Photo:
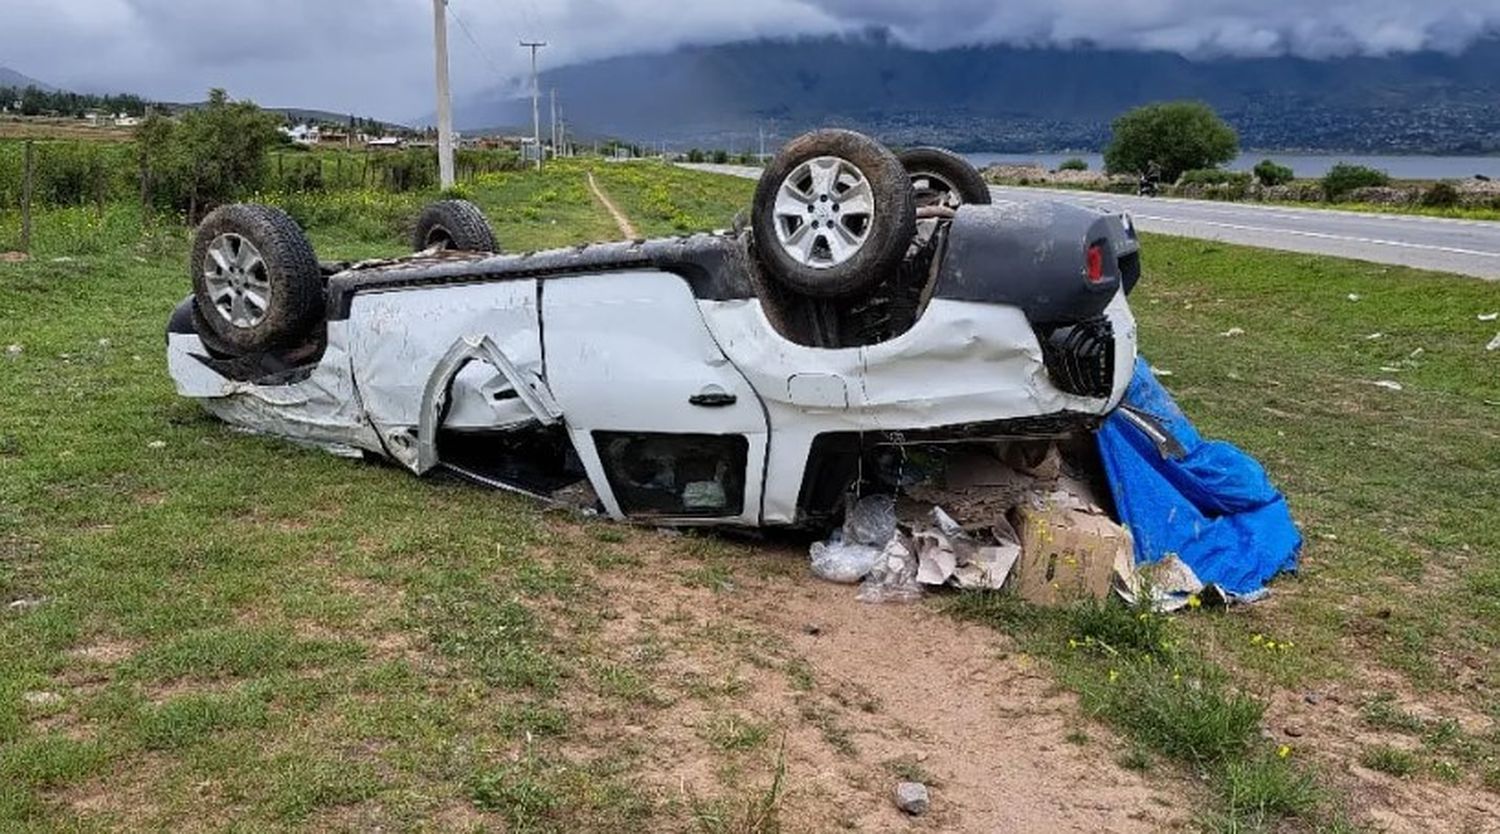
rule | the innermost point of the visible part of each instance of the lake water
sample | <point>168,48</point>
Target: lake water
<point>1305,165</point>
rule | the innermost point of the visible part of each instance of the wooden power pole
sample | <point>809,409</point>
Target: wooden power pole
<point>444,96</point>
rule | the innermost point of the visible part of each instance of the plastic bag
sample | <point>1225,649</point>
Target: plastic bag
<point>851,553</point>
<point>894,577</point>
<point>839,561</point>
<point>871,521</point>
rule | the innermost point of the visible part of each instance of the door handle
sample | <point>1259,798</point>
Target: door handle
<point>713,399</point>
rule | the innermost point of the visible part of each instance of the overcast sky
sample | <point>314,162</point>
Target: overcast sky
<point>375,56</point>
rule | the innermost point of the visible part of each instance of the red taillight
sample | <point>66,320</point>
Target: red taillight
<point>1096,264</point>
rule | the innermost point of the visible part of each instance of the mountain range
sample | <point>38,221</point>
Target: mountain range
<point>11,78</point>
<point>1005,98</point>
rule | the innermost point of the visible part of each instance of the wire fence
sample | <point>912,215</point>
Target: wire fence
<point>40,175</point>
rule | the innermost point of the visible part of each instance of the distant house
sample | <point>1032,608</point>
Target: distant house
<point>127,120</point>
<point>307,135</point>
<point>386,143</point>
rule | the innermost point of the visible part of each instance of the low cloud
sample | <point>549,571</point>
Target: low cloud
<point>375,56</point>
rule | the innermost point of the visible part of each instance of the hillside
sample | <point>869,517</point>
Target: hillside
<point>1018,99</point>
<point>12,78</point>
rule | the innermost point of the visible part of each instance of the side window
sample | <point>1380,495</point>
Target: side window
<point>675,475</point>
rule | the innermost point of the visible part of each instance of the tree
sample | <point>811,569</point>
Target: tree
<point>1178,136</point>
<point>1343,178</point>
<point>208,155</point>
<point>1074,164</point>
<point>1269,173</point>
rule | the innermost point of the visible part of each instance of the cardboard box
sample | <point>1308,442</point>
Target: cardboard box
<point>1068,552</point>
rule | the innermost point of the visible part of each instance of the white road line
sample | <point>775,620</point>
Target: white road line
<point>1275,231</point>
<point>1289,212</point>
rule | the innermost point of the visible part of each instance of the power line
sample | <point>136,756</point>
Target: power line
<point>468,33</point>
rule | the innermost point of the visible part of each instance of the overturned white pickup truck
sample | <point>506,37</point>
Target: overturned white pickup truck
<point>743,378</point>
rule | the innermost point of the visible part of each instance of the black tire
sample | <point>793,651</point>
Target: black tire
<point>454,224</point>
<point>888,229</point>
<point>287,270</point>
<point>942,177</point>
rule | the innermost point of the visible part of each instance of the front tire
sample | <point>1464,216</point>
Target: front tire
<point>454,225</point>
<point>256,281</point>
<point>833,214</point>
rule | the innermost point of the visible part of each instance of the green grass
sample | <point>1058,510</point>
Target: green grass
<point>313,637</point>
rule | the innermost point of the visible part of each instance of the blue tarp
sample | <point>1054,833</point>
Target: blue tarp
<point>1213,507</point>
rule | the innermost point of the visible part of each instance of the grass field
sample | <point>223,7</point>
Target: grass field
<point>207,631</point>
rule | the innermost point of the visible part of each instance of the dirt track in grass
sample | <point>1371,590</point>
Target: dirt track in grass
<point>863,695</point>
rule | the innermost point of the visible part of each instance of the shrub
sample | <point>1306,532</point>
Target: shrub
<point>1177,136</point>
<point>1343,178</point>
<point>1270,174</point>
<point>1074,164</point>
<point>1214,176</point>
<point>1440,195</point>
<point>720,157</point>
<point>209,155</point>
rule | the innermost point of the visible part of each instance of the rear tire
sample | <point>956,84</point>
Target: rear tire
<point>941,177</point>
<point>454,225</point>
<point>833,214</point>
<point>256,281</point>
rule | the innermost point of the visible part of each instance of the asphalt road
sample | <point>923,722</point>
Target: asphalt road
<point>1465,247</point>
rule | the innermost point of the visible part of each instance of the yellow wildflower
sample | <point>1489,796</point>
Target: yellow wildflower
<point>1283,751</point>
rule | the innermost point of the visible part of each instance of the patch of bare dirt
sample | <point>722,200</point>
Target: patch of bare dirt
<point>852,688</point>
<point>1330,729</point>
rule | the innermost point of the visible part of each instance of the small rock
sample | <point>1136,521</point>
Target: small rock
<point>25,604</point>
<point>157,444</point>
<point>1292,730</point>
<point>104,343</point>
<point>1354,296</point>
<point>14,350</point>
<point>41,699</point>
<point>812,629</point>
<point>1313,698</point>
<point>14,257</point>
<point>912,798</point>
<point>921,755</point>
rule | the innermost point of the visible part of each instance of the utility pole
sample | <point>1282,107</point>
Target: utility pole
<point>554,122</point>
<point>536,118</point>
<point>444,98</point>
<point>762,156</point>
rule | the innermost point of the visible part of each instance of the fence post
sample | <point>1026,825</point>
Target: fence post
<point>27,168</point>
<point>145,186</point>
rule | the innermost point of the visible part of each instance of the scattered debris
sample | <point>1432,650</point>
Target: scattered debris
<point>1354,296</point>
<point>912,798</point>
<point>1494,343</point>
<point>1389,384</point>
<point>852,552</point>
<point>14,257</point>
<point>105,344</point>
<point>1414,354</point>
<point>1313,698</point>
<point>1232,332</point>
<point>62,260</point>
<point>1160,371</point>
<point>1488,316</point>
<point>25,604</point>
<point>14,350</point>
<point>1373,336</point>
<point>157,444</point>
<point>41,699</point>
<point>1391,369</point>
<point>1070,550</point>
<point>894,577</point>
